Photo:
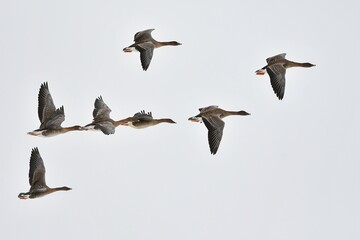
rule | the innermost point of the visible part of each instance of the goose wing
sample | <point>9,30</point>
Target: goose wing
<point>275,58</point>
<point>146,50</point>
<point>142,116</point>
<point>143,35</point>
<point>46,106</point>
<point>101,110</point>
<point>106,127</point>
<point>215,128</point>
<point>277,79</point>
<point>205,109</point>
<point>37,170</point>
<point>55,120</point>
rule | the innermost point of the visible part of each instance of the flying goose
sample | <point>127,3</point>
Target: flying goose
<point>38,187</point>
<point>276,68</point>
<point>50,117</point>
<point>143,120</point>
<point>145,44</point>
<point>212,116</point>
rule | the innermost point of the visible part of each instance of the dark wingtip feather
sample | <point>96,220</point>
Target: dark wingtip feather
<point>144,67</point>
<point>213,151</point>
<point>97,100</point>
<point>61,109</point>
<point>35,154</point>
<point>35,150</point>
<point>279,94</point>
<point>43,91</point>
<point>44,85</point>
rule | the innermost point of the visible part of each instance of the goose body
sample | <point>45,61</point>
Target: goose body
<point>143,120</point>
<point>276,68</point>
<point>212,117</point>
<point>145,44</point>
<point>38,187</point>
<point>50,117</point>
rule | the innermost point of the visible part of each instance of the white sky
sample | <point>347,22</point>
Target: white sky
<point>289,171</point>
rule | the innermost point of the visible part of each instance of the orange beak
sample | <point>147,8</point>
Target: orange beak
<point>127,50</point>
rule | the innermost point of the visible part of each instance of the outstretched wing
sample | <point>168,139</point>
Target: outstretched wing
<point>37,170</point>
<point>146,50</point>
<point>46,106</point>
<point>143,35</point>
<point>275,58</point>
<point>277,79</point>
<point>106,127</point>
<point>55,120</point>
<point>215,128</point>
<point>101,110</point>
<point>142,116</point>
<point>204,109</point>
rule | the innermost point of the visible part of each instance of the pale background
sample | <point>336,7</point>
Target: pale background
<point>289,171</point>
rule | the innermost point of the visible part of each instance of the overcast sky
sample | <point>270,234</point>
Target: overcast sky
<point>290,170</point>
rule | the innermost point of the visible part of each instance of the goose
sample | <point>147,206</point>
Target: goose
<point>145,44</point>
<point>38,187</point>
<point>102,121</point>
<point>50,117</point>
<point>276,68</point>
<point>143,120</point>
<point>211,116</point>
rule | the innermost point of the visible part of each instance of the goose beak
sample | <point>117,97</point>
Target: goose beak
<point>127,50</point>
<point>260,72</point>
<point>194,119</point>
<point>32,134</point>
<point>23,196</point>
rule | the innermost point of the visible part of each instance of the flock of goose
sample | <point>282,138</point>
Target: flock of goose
<point>51,117</point>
